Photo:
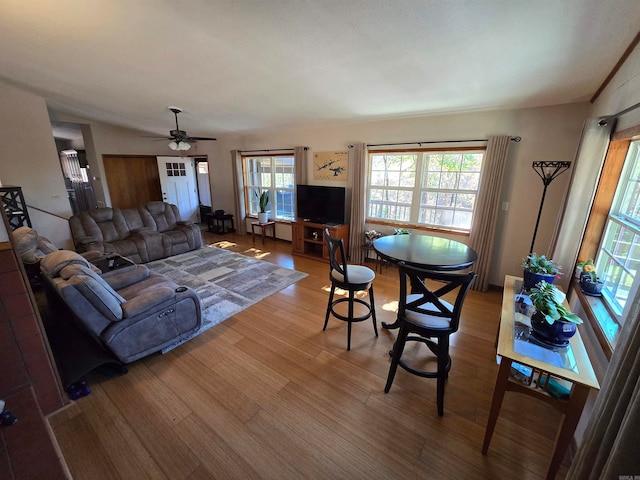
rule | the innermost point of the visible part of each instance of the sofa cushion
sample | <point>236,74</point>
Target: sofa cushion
<point>30,246</point>
<point>164,214</point>
<point>95,289</point>
<point>52,263</point>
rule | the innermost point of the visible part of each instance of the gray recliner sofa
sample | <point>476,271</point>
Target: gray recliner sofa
<point>149,232</point>
<point>132,311</point>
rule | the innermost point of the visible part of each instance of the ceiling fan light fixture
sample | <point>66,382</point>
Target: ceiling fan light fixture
<point>184,146</point>
<point>173,146</point>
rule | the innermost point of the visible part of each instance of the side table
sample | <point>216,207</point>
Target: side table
<point>217,222</point>
<point>570,363</point>
<point>263,228</point>
<point>111,261</point>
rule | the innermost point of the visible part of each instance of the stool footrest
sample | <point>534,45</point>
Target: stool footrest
<point>354,319</point>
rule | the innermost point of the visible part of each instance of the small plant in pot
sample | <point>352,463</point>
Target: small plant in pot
<point>263,201</point>
<point>538,268</point>
<point>590,284</point>
<point>552,323</point>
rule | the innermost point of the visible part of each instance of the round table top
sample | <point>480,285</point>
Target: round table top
<point>426,251</point>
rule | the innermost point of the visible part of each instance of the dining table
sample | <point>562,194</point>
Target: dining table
<point>424,251</point>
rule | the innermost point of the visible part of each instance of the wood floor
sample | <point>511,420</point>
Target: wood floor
<point>268,395</point>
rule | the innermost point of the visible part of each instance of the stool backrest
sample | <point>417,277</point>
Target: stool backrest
<point>337,258</point>
<point>429,301</point>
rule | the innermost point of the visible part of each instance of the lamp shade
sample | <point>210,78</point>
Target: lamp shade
<point>181,145</point>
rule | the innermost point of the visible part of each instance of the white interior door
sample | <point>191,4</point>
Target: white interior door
<point>178,182</point>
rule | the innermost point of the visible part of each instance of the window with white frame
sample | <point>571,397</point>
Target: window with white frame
<point>433,188</point>
<point>619,251</point>
<point>276,174</point>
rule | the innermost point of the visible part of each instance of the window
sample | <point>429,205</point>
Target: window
<point>434,188</point>
<point>619,251</point>
<point>276,174</point>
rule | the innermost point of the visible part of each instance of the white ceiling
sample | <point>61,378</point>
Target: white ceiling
<point>248,65</point>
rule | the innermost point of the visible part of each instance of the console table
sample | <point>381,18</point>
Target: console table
<point>569,363</point>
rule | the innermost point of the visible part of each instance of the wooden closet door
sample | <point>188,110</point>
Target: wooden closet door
<point>132,180</point>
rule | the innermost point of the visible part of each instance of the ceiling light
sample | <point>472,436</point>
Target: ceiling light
<point>179,145</point>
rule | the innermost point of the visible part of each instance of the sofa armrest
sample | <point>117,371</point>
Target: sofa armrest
<point>86,240</point>
<point>184,222</point>
<point>148,300</point>
<point>125,276</point>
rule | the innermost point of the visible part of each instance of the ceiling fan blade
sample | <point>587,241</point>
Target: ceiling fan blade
<point>178,135</point>
<point>202,138</point>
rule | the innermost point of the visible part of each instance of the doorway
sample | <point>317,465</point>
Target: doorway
<point>203,183</point>
<point>69,140</point>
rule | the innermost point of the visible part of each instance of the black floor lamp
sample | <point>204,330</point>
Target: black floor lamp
<point>547,171</point>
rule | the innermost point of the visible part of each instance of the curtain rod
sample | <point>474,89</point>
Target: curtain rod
<point>514,139</point>
<point>272,150</point>
<point>608,118</point>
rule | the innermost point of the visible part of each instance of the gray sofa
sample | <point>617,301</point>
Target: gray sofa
<point>132,311</point>
<point>149,232</point>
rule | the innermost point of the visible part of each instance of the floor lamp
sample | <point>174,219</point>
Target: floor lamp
<point>547,171</point>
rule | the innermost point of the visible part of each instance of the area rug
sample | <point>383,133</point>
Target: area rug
<point>226,282</point>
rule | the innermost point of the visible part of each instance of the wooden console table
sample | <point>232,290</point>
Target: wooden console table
<point>570,363</point>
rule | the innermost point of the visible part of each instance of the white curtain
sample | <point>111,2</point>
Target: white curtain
<point>301,162</point>
<point>487,208</point>
<point>585,174</point>
<point>358,156</point>
<point>609,448</point>
<point>238,191</point>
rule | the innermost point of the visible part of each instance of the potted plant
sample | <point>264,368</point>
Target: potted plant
<point>590,283</point>
<point>551,322</point>
<point>263,201</point>
<point>538,268</point>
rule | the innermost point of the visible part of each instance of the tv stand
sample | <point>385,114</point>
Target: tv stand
<point>308,238</point>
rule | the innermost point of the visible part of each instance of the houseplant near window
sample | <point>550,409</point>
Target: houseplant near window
<point>590,284</point>
<point>263,201</point>
<point>552,323</point>
<point>538,268</point>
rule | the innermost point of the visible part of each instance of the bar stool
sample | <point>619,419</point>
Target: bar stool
<point>353,278</point>
<point>425,314</point>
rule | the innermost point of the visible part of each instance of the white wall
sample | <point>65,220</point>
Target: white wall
<point>29,159</point>
<point>622,92</point>
<point>549,133</point>
<point>104,139</point>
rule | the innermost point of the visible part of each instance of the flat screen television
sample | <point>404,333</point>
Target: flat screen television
<point>321,204</point>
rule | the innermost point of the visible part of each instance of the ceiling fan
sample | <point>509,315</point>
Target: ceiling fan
<point>179,138</point>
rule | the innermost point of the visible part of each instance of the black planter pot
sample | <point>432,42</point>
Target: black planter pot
<point>556,334</point>
<point>590,287</point>
<point>530,279</point>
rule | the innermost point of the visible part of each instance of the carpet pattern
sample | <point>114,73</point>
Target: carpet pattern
<point>226,282</point>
